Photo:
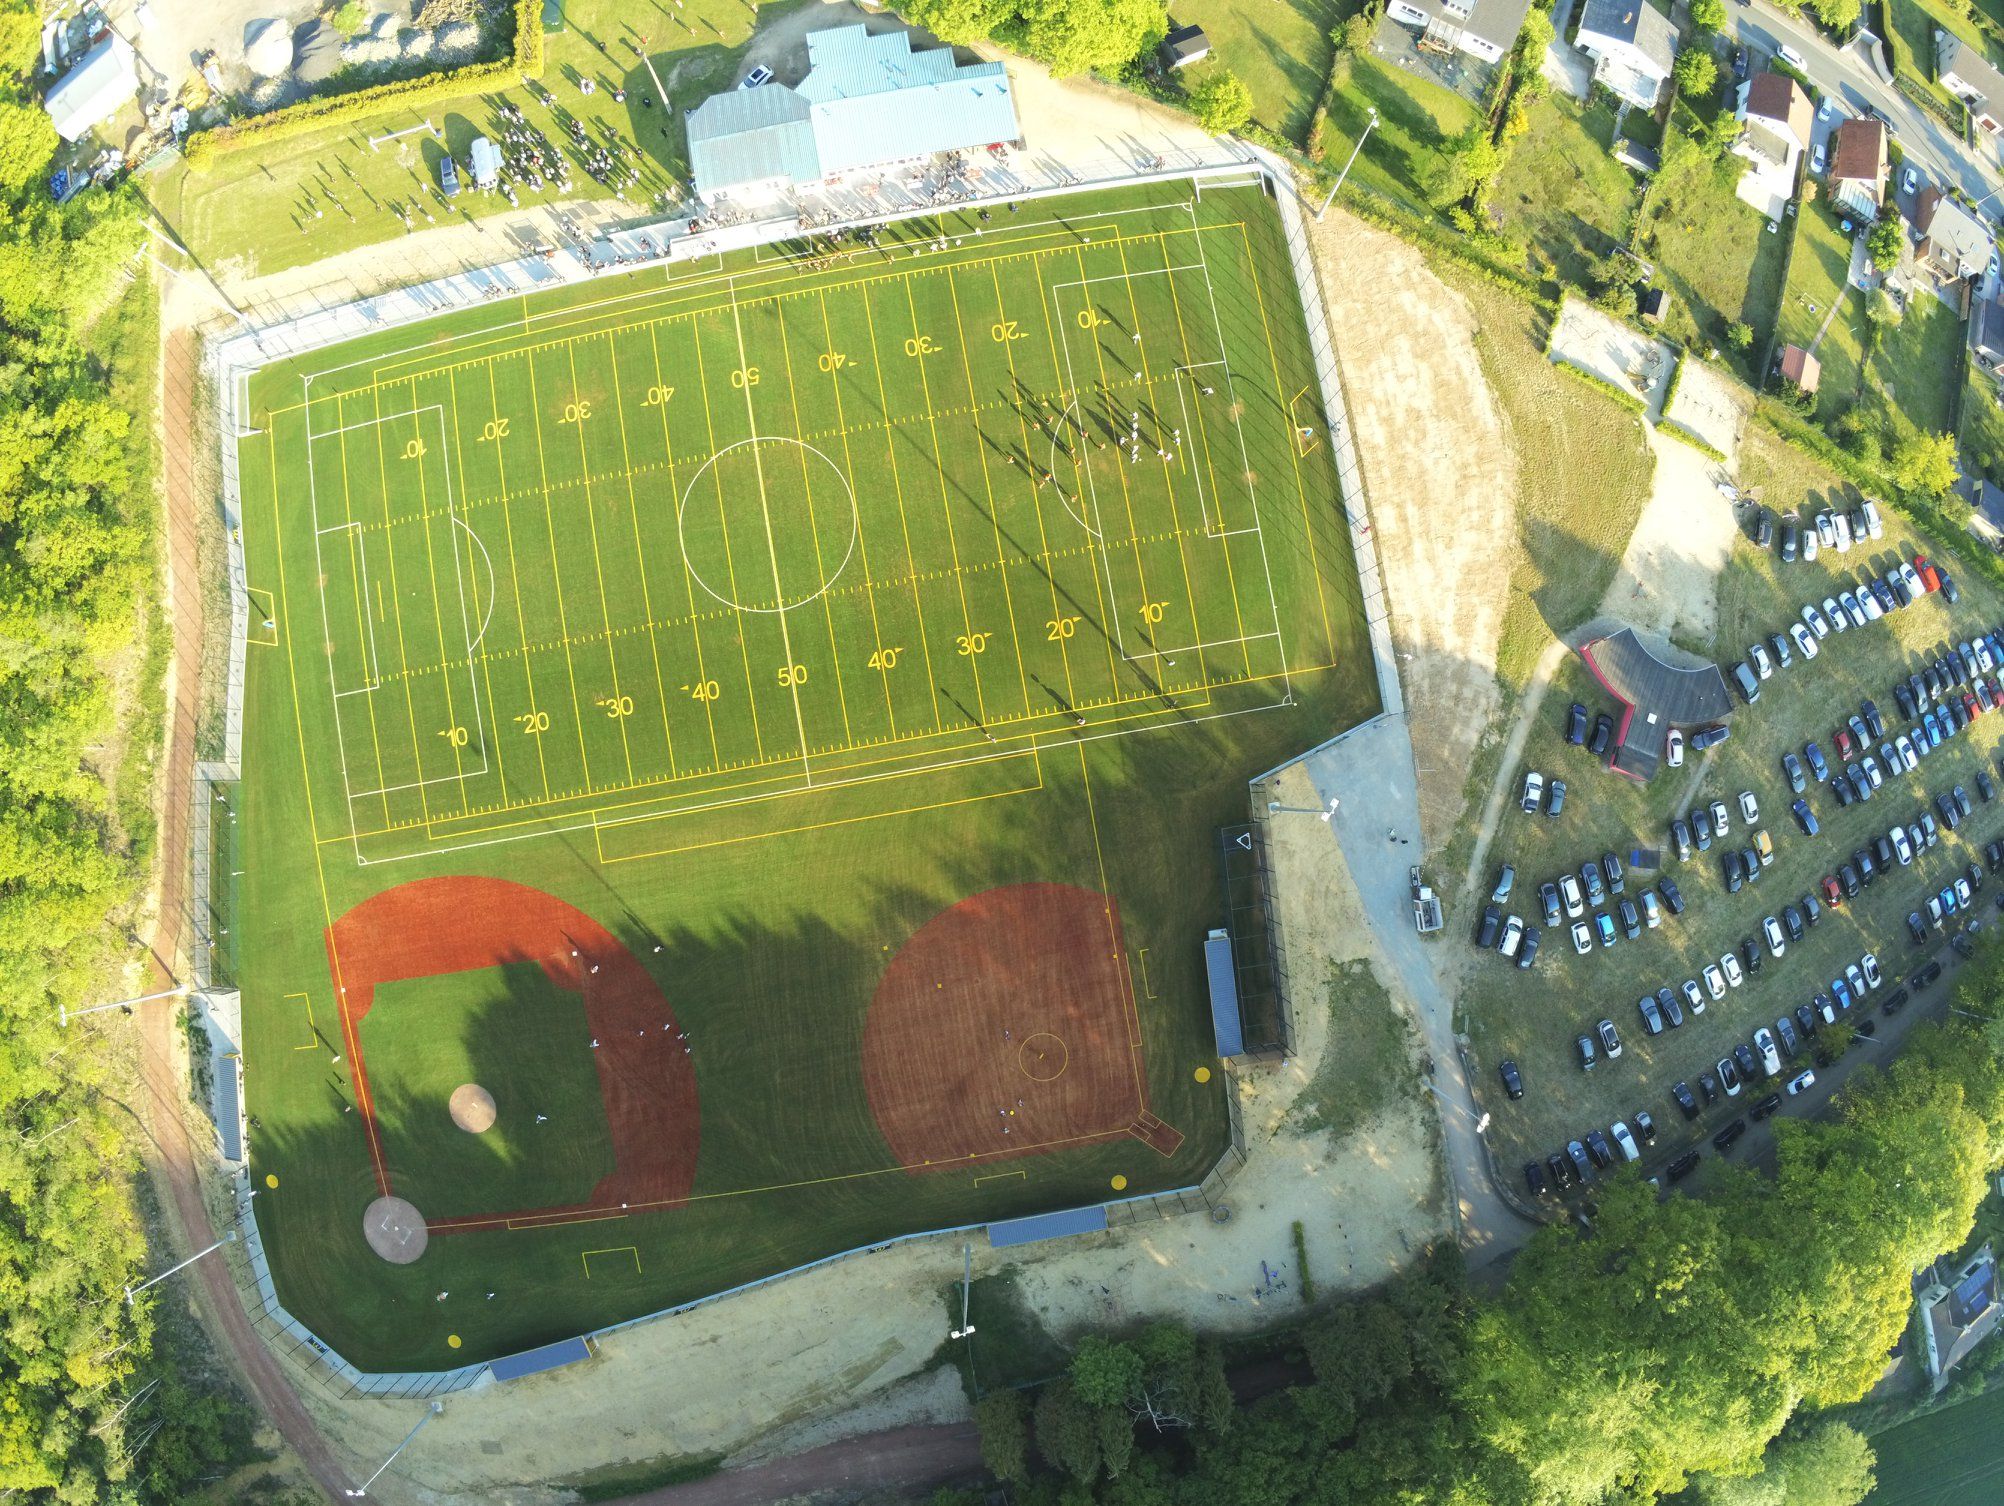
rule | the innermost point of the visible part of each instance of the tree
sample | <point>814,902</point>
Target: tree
<point>27,141</point>
<point>1697,73</point>
<point>1462,168</point>
<point>1839,15</point>
<point>1708,15</point>
<point>1739,335</point>
<point>1885,241</point>
<point>1068,1433</point>
<point>1105,1372</point>
<point>1005,1436</point>
<point>1924,464</point>
<point>1087,36</point>
<point>1535,37</point>
<point>958,21</point>
<point>1222,102</point>
<point>1828,1466</point>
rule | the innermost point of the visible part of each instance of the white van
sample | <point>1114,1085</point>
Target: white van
<point>1791,57</point>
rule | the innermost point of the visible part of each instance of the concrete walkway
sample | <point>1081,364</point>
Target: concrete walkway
<point>1371,773</point>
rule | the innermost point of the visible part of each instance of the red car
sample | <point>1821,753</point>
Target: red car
<point>1969,705</point>
<point>1832,891</point>
<point>1845,751</point>
<point>1928,576</point>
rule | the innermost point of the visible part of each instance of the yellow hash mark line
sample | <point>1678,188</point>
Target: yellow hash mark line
<point>617,712</point>
<point>814,529</point>
<point>312,1030</point>
<point>1003,1176</point>
<point>904,521</point>
<point>515,580</point>
<point>633,1250</point>
<point>688,584</point>
<point>640,554</point>
<point>556,574</point>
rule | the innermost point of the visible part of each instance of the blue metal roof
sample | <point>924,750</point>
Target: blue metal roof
<point>752,136</point>
<point>1023,1231</point>
<point>866,99</point>
<point>1225,1022</point>
<point>536,1361</point>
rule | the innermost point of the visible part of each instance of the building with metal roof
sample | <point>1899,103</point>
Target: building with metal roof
<point>92,92</point>
<point>867,101</point>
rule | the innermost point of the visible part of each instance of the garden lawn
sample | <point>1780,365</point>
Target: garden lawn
<point>1981,432</point>
<point>1946,1458</point>
<point>1818,282</point>
<point>1561,193</point>
<point>1279,48</point>
<point>1414,118</point>
<point>1918,365</point>
<point>1711,251</point>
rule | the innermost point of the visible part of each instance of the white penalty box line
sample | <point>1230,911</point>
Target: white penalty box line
<point>355,530</point>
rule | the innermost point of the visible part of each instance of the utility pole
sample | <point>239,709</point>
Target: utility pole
<point>1369,126</point>
<point>966,1329</point>
<point>436,1408</point>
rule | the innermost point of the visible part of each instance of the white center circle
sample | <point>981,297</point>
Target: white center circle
<point>751,531</point>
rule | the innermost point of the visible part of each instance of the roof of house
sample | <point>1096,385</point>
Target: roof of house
<point>1496,22</point>
<point>1635,22</point>
<point>1958,1317</point>
<point>1778,98</point>
<point>1186,43</point>
<point>1858,150</point>
<point>103,79</point>
<point>1801,368</point>
<point>1954,235</point>
<point>1986,330</point>
<point>1953,55</point>
<point>867,98</point>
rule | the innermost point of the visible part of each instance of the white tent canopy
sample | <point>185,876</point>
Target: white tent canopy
<point>91,93</point>
<point>268,48</point>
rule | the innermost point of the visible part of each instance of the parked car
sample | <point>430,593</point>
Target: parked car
<point>1513,934</point>
<point>1652,1016</point>
<point>1603,733</point>
<point>1569,891</point>
<point>1527,951</point>
<point>1534,792</point>
<point>1682,1166</point>
<point>1513,1080</point>
<point>1576,1153</point>
<point>1603,927</point>
<point>1701,828</point>
<point>1624,1141</point>
<point>1680,838</point>
<point>1686,1103</point>
<point>1725,1139</point>
<point>1817,766</point>
<point>1555,797</point>
<point>1672,895</point>
<point>1673,747</point>
<point>1762,1107</point>
<point>1692,997</point>
<point>1652,913</point>
<point>1576,724</point>
<point>1715,981</point>
<point>1804,817</point>
<point>1764,1047</point>
<point>1670,1009</point>
<point>1598,1148</point>
<point>1609,1041</point>
<point>1490,928</point>
<point>1792,767</point>
<point>1611,866</point>
<point>1548,900</point>
<point>1802,1082</point>
<point>1729,1077</point>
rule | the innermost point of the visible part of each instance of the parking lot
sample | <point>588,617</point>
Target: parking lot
<point>1534,1017</point>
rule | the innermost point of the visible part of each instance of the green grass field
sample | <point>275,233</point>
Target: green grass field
<point>761,612</point>
<point>1947,1458</point>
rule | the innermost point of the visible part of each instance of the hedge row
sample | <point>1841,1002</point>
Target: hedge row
<point>322,111</point>
<point>1620,394</point>
<point>1685,436</point>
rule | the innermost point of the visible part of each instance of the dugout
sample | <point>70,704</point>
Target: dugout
<point>1241,957</point>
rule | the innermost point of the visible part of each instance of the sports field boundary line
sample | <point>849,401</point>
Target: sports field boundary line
<point>233,360</point>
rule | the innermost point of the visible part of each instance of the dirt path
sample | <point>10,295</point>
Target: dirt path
<point>1527,717</point>
<point>1433,443</point>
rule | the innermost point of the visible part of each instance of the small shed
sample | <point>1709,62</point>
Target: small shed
<point>93,91</point>
<point>1802,368</point>
<point>1655,304</point>
<point>1183,46</point>
<point>485,160</point>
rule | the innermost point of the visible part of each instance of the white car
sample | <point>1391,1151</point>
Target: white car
<point>1582,937</point>
<point>1715,983</point>
<point>1569,891</point>
<point>1873,611</point>
<point>1909,180</point>
<point>1842,523</point>
<point>1693,997</point>
<point>759,75</point>
<point>1770,1059</point>
<point>1816,158</point>
<point>1652,913</point>
<point>1721,818</point>
<point>1826,530</point>
<point>1674,749</point>
<point>1902,848</point>
<point>1777,943</point>
<point>1805,641</point>
<point>1912,580</point>
<point>1749,807</point>
<point>1855,980</point>
<point>1872,771</point>
<point>1835,613</point>
<point>1513,936</point>
<point>1534,792</point>
<point>1732,966</point>
<point>1850,605</point>
<point>1804,1080</point>
<point>1818,623</point>
<point>1903,750</point>
<point>1869,966</point>
<point>1624,1140</point>
<point>1763,666</point>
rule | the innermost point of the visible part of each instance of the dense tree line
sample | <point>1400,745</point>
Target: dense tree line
<point>87,1411</point>
<point>1071,36</point>
<point>1675,1347</point>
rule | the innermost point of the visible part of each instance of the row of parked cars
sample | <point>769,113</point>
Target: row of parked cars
<point>1827,530</point>
<point>1568,898</point>
<point>1857,606</point>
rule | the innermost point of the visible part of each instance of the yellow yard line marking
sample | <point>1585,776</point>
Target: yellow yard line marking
<point>617,709</point>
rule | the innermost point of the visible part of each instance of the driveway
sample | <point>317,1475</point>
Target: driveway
<point>1372,774</point>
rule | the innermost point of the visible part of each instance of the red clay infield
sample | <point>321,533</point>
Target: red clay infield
<point>1006,1027</point>
<point>450,925</point>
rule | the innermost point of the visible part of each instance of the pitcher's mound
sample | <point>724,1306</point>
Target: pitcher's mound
<point>472,1108</point>
<point>395,1229</point>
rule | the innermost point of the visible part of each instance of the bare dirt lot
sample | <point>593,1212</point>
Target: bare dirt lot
<point>1433,443</point>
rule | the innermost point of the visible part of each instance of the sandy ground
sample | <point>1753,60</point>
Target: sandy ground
<point>1710,405</point>
<point>839,1351</point>
<point>1432,442</point>
<point>1599,343</point>
<point>1667,582</point>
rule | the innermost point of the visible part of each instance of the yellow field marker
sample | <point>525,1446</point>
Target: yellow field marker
<point>313,1034</point>
<point>632,1250</point>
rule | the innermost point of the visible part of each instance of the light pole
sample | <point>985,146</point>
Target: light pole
<point>436,1408</point>
<point>64,1014</point>
<point>1274,807</point>
<point>229,1238</point>
<point>1369,126</point>
<point>966,1329</point>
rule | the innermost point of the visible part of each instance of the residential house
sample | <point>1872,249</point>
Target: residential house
<point>1183,46</point>
<point>1858,167</point>
<point>1633,45</point>
<point>1778,118</point>
<point>1801,368</point>
<point>1956,1313</point>
<point>1986,335</point>
<point>1484,29</point>
<point>1967,74</point>
<point>1954,243</point>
